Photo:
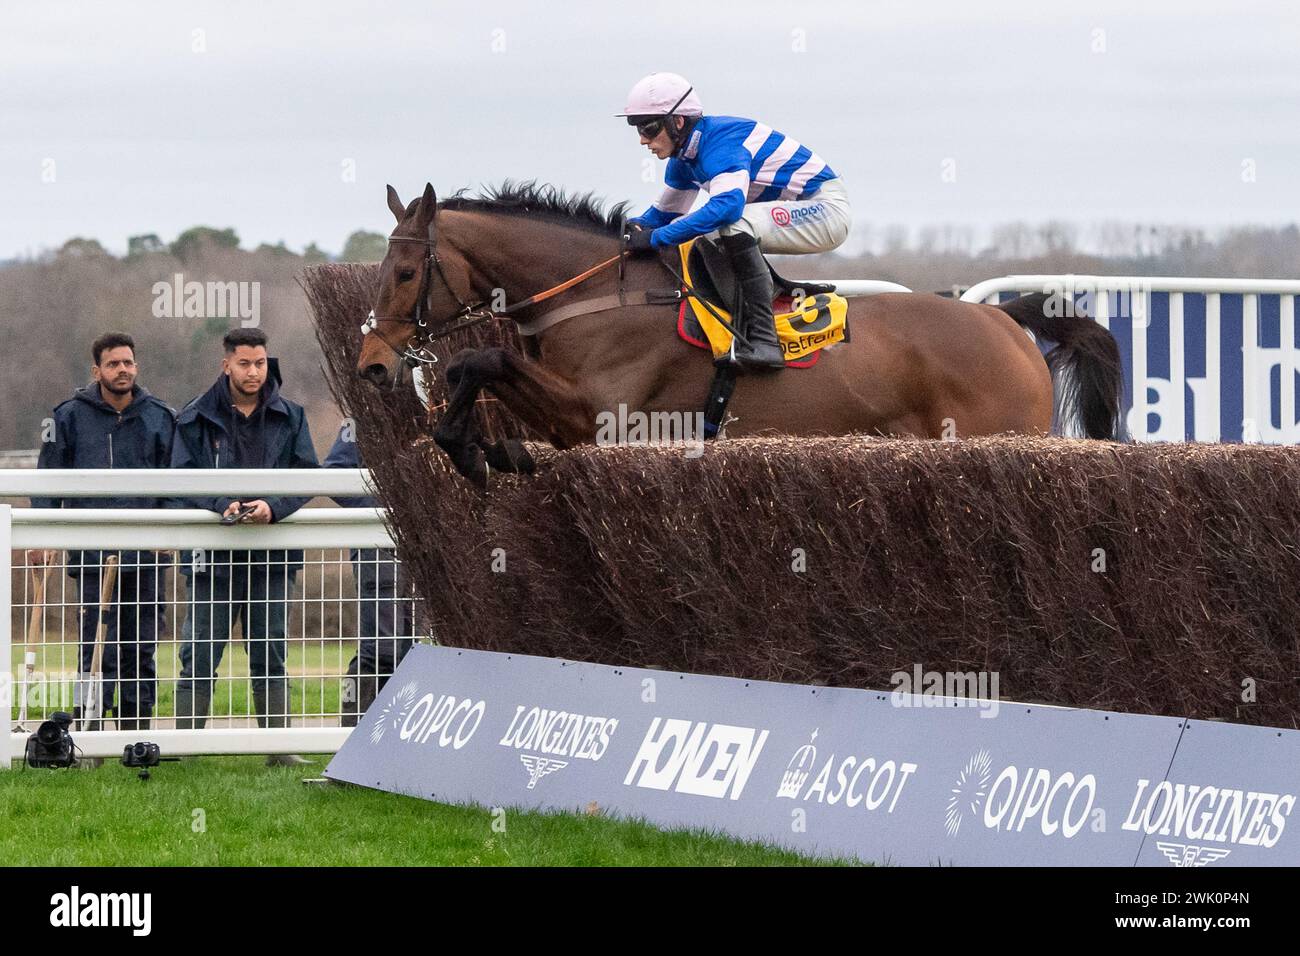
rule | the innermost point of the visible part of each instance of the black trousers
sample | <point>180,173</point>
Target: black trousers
<point>384,616</point>
<point>134,618</point>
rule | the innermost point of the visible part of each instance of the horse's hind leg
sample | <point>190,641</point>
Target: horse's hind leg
<point>544,401</point>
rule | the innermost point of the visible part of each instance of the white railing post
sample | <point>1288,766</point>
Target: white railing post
<point>6,639</point>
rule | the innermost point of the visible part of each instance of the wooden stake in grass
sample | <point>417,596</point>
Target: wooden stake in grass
<point>92,698</point>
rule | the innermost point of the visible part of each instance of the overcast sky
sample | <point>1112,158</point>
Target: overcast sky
<point>124,118</point>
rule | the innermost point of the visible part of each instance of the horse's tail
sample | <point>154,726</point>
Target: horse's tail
<point>1085,364</point>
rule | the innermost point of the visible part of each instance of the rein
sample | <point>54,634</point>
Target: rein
<point>417,351</point>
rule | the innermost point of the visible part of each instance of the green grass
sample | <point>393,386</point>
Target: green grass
<point>252,815</point>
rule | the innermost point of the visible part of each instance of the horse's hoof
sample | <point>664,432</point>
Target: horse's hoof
<point>510,455</point>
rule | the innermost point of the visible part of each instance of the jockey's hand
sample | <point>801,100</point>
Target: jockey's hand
<point>638,241</point>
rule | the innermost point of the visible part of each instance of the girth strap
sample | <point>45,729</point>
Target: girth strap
<point>600,304</point>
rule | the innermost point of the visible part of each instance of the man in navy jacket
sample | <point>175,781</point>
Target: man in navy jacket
<point>384,618</point>
<point>114,423</point>
<point>242,421</point>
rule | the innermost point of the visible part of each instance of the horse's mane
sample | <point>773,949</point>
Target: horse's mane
<point>532,198</point>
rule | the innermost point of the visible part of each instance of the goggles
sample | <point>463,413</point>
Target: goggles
<point>650,126</point>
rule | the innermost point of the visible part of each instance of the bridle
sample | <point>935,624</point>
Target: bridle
<point>418,350</point>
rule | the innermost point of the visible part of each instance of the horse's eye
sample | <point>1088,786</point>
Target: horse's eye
<point>406,275</point>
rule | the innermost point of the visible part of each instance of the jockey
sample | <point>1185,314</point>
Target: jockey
<point>767,193</point>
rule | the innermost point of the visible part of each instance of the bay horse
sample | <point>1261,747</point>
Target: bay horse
<point>915,365</point>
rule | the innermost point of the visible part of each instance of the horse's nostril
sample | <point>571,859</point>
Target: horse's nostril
<point>376,373</point>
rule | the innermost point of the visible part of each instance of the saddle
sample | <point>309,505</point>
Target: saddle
<point>819,321</point>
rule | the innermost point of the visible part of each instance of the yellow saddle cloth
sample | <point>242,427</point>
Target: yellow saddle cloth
<point>803,328</point>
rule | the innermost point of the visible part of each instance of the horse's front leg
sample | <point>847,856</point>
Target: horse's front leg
<point>457,433</point>
<point>544,401</point>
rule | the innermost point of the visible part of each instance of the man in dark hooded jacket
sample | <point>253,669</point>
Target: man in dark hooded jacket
<point>242,421</point>
<point>113,423</point>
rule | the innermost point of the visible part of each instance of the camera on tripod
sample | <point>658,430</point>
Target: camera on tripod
<point>142,755</point>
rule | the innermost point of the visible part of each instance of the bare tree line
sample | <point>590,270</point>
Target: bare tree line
<point>937,258</point>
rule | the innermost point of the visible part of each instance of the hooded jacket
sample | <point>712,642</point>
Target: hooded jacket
<point>90,433</point>
<point>212,433</point>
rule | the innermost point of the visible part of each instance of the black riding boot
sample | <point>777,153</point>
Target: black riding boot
<point>756,288</point>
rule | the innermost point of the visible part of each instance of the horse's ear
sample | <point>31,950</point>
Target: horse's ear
<point>395,204</point>
<point>427,207</point>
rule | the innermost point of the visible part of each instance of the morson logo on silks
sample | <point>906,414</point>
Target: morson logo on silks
<point>446,721</point>
<point>547,735</point>
<point>707,760</point>
<point>799,214</point>
<point>1055,803</point>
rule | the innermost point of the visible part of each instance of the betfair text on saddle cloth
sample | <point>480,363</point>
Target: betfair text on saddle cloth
<point>804,326</point>
<point>767,193</point>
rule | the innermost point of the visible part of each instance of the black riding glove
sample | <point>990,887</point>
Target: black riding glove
<point>638,242</point>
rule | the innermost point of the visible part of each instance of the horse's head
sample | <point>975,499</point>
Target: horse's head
<point>422,285</point>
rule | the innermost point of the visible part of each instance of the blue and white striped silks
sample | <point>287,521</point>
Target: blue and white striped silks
<point>737,161</point>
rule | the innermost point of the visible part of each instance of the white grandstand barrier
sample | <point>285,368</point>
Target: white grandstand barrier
<point>1233,398</point>
<point>305,624</point>
<point>985,290</point>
